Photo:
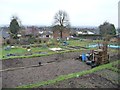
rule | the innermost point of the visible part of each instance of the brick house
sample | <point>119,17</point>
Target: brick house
<point>57,33</point>
<point>28,34</point>
<point>114,39</point>
<point>30,31</point>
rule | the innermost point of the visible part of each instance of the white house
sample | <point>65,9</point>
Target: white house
<point>86,32</point>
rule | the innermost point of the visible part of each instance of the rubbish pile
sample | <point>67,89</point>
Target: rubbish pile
<point>94,58</point>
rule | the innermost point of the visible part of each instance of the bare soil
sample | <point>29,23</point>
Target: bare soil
<point>42,73</point>
<point>94,80</point>
<point>59,64</point>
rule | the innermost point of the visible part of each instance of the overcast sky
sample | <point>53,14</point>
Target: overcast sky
<point>41,12</point>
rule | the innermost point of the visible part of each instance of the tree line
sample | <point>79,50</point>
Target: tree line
<point>61,21</point>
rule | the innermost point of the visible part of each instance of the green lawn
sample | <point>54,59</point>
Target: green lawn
<point>22,52</point>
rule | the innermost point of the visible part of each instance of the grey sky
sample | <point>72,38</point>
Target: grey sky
<point>41,12</point>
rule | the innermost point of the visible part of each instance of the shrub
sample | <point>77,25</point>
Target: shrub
<point>31,40</point>
<point>7,41</point>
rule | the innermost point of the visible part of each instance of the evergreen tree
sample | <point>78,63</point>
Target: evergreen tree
<point>14,28</point>
<point>107,29</point>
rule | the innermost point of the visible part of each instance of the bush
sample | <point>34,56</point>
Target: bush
<point>7,41</point>
<point>13,41</point>
<point>31,40</point>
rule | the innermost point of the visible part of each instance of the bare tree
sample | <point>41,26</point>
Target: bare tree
<point>61,20</point>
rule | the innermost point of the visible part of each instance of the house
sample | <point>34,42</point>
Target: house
<point>46,33</point>
<point>114,39</point>
<point>35,34</point>
<point>85,32</point>
<point>4,35</point>
<point>30,31</point>
<point>57,33</point>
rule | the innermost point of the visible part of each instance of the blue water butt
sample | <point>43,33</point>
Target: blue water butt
<point>84,58</point>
